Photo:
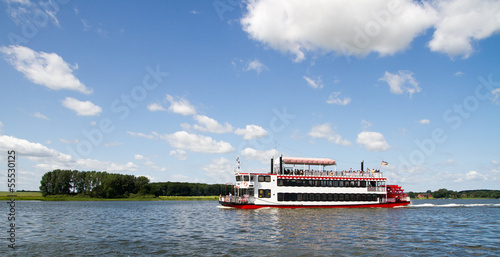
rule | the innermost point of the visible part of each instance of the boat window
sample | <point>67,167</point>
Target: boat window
<point>299,197</point>
<point>335,197</point>
<point>317,183</point>
<point>362,184</point>
<point>286,197</point>
<point>246,178</point>
<point>264,178</point>
<point>238,178</point>
<point>335,183</point>
<point>341,197</point>
<point>280,197</point>
<point>330,197</point>
<point>324,197</point>
<point>264,193</point>
<point>329,183</point>
<point>280,182</point>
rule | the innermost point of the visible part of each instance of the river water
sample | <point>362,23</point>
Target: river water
<point>202,228</point>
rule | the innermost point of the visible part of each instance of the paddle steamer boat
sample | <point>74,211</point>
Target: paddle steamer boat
<point>312,183</point>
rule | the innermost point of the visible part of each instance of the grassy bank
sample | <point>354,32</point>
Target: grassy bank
<point>21,196</point>
<point>188,198</point>
<point>37,196</point>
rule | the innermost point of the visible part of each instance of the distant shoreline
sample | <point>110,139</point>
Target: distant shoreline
<point>37,196</point>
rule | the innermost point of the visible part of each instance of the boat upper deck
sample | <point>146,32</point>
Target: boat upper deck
<point>332,173</point>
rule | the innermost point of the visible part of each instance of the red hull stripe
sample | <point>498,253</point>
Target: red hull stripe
<point>253,206</point>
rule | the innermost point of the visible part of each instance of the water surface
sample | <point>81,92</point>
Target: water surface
<point>200,228</point>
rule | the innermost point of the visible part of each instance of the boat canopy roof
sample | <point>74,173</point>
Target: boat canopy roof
<point>309,161</point>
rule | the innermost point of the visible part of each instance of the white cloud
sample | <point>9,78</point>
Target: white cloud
<point>210,125</point>
<point>424,121</point>
<point>21,11</point>
<point>87,164</point>
<point>251,132</point>
<point>147,161</point>
<point>65,141</point>
<point>40,116</point>
<point>471,175</point>
<point>81,108</point>
<point>459,74</point>
<point>1,126</point>
<point>86,25</point>
<point>47,69</point>
<point>257,66</point>
<point>45,159</point>
<point>326,131</point>
<point>139,157</point>
<point>196,143</point>
<point>345,27</point>
<point>179,154</point>
<point>314,83</point>
<point>361,27</point>
<point>335,99</point>
<point>154,107</point>
<point>372,141</point>
<point>139,134</point>
<point>219,166</point>
<point>110,144</point>
<point>402,82</point>
<point>31,150</point>
<point>449,162</point>
<point>462,23</point>
<point>181,106</point>
<point>262,156</point>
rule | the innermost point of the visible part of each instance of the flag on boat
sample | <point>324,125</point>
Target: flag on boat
<point>384,163</point>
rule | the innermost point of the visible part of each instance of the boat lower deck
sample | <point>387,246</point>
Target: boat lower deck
<point>257,206</point>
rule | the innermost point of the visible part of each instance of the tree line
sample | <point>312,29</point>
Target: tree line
<point>445,193</point>
<point>110,185</point>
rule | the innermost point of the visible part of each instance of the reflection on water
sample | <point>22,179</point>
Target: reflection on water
<point>202,228</point>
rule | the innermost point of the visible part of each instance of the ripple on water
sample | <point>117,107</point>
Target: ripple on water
<point>202,228</point>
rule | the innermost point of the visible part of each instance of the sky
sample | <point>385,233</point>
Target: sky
<point>178,90</point>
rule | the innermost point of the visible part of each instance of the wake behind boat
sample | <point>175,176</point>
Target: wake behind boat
<point>311,183</point>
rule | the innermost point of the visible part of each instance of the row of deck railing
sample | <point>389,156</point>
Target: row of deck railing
<point>237,199</point>
<point>317,173</point>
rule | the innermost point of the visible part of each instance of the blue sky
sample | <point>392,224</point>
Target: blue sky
<point>177,90</point>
